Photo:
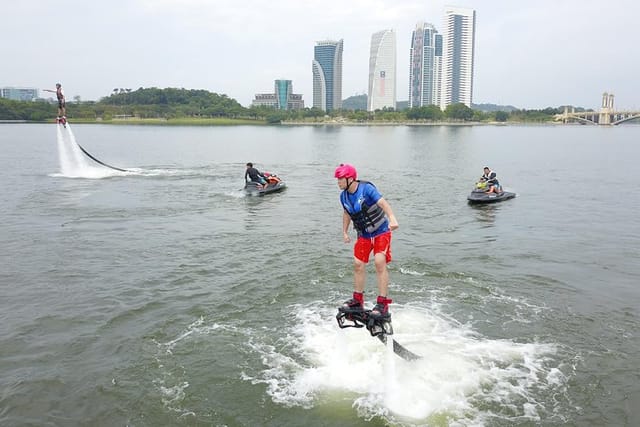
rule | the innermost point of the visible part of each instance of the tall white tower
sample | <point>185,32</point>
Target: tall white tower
<point>457,56</point>
<point>382,71</point>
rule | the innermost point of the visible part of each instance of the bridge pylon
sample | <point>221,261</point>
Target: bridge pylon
<point>606,111</point>
<point>605,116</point>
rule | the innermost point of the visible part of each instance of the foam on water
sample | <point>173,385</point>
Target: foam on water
<point>462,375</point>
<point>463,378</point>
<point>171,382</point>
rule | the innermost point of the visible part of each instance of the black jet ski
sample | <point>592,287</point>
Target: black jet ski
<point>479,195</point>
<point>255,189</point>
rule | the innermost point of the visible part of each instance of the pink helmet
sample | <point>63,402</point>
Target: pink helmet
<point>345,170</point>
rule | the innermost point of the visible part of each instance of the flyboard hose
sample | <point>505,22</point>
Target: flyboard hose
<point>98,161</point>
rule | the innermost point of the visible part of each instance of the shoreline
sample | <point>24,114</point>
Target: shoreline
<point>249,122</point>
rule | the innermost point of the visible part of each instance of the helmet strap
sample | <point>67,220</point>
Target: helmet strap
<point>349,183</point>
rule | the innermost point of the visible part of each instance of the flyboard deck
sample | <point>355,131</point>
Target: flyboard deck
<point>379,328</point>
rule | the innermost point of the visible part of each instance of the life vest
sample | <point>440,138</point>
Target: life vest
<point>365,218</point>
<point>271,179</point>
<point>490,177</point>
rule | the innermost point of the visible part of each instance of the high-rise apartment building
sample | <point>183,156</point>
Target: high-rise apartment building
<point>327,75</point>
<point>422,66</point>
<point>437,70</point>
<point>459,33</point>
<point>382,71</point>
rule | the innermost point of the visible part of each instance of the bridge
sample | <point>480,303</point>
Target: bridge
<point>606,116</point>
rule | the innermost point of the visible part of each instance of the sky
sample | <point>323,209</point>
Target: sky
<point>528,53</point>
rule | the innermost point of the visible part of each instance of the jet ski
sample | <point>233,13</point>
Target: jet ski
<point>479,194</point>
<point>274,185</point>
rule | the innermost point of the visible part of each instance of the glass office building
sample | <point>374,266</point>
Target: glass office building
<point>282,98</point>
<point>327,75</point>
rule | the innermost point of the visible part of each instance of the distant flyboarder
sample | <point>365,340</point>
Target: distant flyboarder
<point>62,106</point>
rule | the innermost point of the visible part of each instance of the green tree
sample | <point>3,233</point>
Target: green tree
<point>358,115</point>
<point>313,112</point>
<point>427,112</point>
<point>276,116</point>
<point>501,116</point>
<point>458,111</point>
<point>480,116</point>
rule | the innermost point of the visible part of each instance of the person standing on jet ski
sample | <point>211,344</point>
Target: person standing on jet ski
<point>489,177</point>
<point>374,220</point>
<point>255,175</point>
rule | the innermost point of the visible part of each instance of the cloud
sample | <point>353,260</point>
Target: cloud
<point>530,54</point>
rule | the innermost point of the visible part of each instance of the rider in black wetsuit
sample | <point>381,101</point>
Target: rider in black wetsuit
<point>254,175</point>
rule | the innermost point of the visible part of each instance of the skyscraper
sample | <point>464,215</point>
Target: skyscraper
<point>382,71</point>
<point>457,56</point>
<point>282,97</point>
<point>422,62</point>
<point>327,75</point>
<point>283,89</point>
<point>287,100</point>
<point>437,70</point>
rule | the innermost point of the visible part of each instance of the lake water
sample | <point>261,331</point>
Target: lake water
<point>165,296</point>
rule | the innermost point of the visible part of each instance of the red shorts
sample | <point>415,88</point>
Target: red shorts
<point>380,243</point>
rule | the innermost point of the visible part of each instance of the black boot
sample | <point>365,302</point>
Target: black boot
<point>381,309</point>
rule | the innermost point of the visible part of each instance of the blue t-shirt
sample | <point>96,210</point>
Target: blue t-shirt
<point>368,194</point>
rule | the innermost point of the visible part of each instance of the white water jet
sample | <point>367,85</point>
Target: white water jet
<point>73,162</point>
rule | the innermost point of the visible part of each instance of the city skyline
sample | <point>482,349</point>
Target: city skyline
<point>528,54</point>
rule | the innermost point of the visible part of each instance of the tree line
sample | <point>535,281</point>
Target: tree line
<point>431,113</point>
<point>174,103</point>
